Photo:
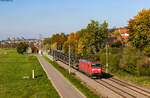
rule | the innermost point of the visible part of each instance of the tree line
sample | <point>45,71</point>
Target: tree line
<point>90,42</point>
<point>83,43</point>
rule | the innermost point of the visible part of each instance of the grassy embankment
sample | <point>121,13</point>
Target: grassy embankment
<point>13,67</point>
<point>76,82</point>
<point>127,64</point>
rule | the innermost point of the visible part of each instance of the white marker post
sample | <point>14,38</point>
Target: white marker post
<point>33,74</point>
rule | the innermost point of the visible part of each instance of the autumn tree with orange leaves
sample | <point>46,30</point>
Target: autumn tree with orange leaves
<point>139,31</point>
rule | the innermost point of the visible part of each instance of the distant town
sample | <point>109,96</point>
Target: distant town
<point>12,42</point>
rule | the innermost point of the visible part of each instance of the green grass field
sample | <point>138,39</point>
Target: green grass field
<point>13,67</point>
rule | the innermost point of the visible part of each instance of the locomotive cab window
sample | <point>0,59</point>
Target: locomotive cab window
<point>96,65</point>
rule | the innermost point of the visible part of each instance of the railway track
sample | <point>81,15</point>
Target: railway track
<point>115,89</point>
<point>119,91</point>
<point>131,87</point>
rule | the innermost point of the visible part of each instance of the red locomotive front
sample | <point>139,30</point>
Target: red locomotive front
<point>91,68</point>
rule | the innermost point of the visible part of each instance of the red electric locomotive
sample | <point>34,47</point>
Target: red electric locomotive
<point>91,68</point>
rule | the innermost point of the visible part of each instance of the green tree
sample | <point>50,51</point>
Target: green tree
<point>139,29</point>
<point>82,51</point>
<point>62,39</point>
<point>22,47</point>
<point>56,40</point>
<point>96,36</point>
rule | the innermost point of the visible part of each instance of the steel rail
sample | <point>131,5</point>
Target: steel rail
<point>111,89</point>
<point>115,87</point>
<point>124,84</point>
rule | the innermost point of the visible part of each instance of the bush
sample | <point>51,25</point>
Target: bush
<point>117,43</point>
<point>115,50</point>
<point>114,60</point>
<point>143,68</point>
<point>22,47</point>
<point>146,50</point>
<point>128,60</point>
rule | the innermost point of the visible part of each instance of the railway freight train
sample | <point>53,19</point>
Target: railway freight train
<point>89,67</point>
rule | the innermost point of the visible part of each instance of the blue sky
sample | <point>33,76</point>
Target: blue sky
<point>29,18</point>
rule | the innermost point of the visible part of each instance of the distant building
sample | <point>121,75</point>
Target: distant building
<point>111,37</point>
<point>123,35</point>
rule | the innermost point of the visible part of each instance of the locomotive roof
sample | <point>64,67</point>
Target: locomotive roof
<point>86,61</point>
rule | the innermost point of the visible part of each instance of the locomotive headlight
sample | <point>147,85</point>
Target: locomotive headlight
<point>96,69</point>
